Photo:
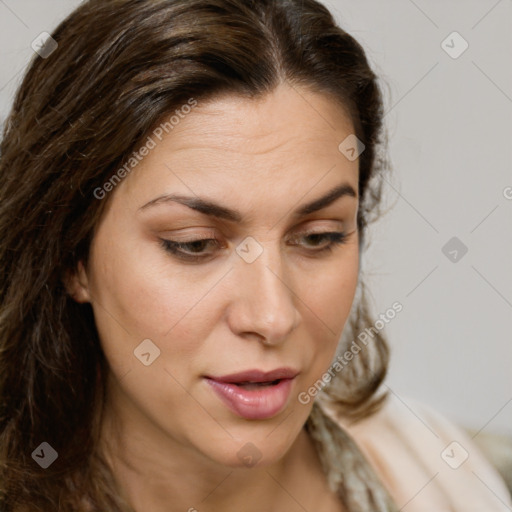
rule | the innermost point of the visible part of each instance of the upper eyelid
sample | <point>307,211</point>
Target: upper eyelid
<point>303,226</point>
<point>343,233</point>
<point>300,232</point>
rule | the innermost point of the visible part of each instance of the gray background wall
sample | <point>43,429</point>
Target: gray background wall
<point>450,126</point>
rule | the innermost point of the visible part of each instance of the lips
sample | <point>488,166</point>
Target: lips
<point>254,394</point>
<point>257,376</point>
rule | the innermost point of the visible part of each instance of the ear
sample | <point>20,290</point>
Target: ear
<point>77,284</point>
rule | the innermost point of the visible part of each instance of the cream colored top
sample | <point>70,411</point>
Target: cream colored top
<point>427,463</point>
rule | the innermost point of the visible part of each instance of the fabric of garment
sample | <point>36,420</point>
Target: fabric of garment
<point>426,461</point>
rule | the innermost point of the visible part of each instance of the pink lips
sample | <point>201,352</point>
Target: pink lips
<point>260,403</point>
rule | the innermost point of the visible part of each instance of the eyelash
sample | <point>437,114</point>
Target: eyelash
<point>335,238</point>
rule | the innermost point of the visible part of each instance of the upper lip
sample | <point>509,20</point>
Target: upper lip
<point>257,376</point>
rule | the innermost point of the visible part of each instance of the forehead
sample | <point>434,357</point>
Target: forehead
<point>288,114</point>
<point>286,136</point>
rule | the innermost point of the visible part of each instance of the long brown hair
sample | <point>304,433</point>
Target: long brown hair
<point>120,67</point>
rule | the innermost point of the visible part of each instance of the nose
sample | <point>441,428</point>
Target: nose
<point>264,302</point>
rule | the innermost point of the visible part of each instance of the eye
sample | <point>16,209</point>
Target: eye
<point>190,250</point>
<point>193,250</point>
<point>333,238</point>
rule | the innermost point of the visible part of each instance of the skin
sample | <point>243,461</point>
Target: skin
<point>171,442</point>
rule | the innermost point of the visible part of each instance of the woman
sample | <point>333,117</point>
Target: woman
<point>185,190</point>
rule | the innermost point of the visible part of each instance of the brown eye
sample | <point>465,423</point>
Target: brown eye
<point>332,238</point>
<point>190,250</point>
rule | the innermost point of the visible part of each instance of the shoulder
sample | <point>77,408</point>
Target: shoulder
<point>426,461</point>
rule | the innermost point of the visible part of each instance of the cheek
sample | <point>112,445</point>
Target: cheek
<point>328,299</point>
<point>138,295</point>
<point>329,290</point>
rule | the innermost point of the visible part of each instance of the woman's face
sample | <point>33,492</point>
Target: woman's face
<point>264,290</point>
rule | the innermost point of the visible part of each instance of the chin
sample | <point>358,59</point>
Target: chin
<point>257,448</point>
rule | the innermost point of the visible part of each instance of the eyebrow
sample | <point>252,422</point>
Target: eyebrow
<point>213,209</point>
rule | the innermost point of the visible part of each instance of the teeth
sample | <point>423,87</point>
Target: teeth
<point>261,383</point>
<point>255,385</point>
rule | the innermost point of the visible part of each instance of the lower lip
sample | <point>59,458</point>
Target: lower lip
<point>257,404</point>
